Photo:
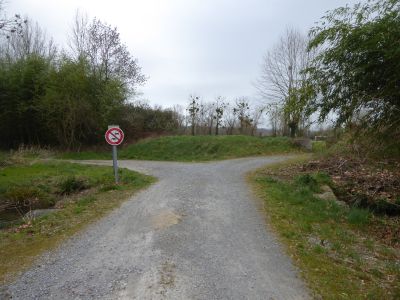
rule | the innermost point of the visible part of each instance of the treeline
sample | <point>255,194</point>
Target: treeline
<point>346,70</point>
<point>220,116</point>
<point>67,97</point>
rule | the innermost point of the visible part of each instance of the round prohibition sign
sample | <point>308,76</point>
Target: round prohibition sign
<point>114,136</point>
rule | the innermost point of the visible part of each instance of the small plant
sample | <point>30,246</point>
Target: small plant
<point>307,180</point>
<point>318,146</point>
<point>109,187</point>
<point>270,180</point>
<point>358,216</point>
<point>72,184</point>
<point>322,178</point>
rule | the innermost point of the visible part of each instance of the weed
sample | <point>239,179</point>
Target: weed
<point>322,178</point>
<point>83,203</point>
<point>73,184</point>
<point>109,187</point>
<point>270,180</point>
<point>359,216</point>
<point>318,146</point>
<point>308,181</point>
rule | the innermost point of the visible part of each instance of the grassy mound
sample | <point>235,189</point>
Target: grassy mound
<point>196,148</point>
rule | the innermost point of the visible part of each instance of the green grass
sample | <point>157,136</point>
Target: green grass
<point>84,194</point>
<point>335,247</point>
<point>319,146</point>
<point>195,148</point>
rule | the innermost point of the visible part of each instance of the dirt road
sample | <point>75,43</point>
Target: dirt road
<point>195,234</point>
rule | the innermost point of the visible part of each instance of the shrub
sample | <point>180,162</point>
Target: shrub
<point>307,180</point>
<point>322,178</point>
<point>382,206</point>
<point>359,216</point>
<point>27,197</point>
<point>72,184</point>
<point>318,146</point>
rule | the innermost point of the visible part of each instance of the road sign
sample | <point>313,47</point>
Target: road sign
<point>114,136</point>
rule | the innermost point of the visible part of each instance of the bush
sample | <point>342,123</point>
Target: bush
<point>322,178</point>
<point>27,197</point>
<point>307,180</point>
<point>318,146</point>
<point>359,216</point>
<point>72,184</point>
<point>382,206</point>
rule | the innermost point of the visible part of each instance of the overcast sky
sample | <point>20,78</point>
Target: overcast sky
<point>207,47</point>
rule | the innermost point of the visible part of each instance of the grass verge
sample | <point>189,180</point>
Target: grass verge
<point>81,193</point>
<point>335,247</point>
<point>195,148</point>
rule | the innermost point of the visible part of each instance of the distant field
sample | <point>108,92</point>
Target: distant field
<point>195,148</point>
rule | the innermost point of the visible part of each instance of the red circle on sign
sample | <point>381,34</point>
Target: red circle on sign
<point>114,136</point>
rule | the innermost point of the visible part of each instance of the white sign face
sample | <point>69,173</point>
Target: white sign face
<point>114,136</point>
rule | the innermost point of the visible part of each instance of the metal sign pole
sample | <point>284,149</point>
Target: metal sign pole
<point>115,163</point>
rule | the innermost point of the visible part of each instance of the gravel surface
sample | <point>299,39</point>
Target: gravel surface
<point>195,234</point>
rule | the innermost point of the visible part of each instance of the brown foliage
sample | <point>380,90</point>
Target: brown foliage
<point>357,178</point>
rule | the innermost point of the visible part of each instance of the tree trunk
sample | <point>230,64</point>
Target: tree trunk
<point>293,129</point>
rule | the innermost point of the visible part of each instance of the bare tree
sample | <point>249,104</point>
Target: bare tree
<point>11,25</point>
<point>282,79</point>
<point>242,111</point>
<point>29,40</point>
<point>210,116</point>
<point>205,117</point>
<point>101,45</point>
<point>179,116</point>
<point>230,119</point>
<point>78,39</point>
<point>220,106</point>
<point>256,117</point>
<point>193,110</point>
<point>275,113</point>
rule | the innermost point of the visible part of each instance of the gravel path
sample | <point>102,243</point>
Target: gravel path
<point>195,234</point>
